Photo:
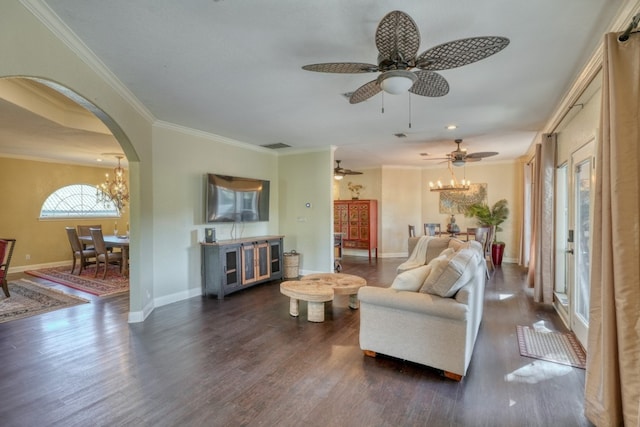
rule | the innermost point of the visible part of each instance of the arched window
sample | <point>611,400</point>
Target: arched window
<point>76,201</point>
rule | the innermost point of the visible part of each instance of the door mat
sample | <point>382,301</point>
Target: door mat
<point>29,299</point>
<point>114,284</point>
<point>558,347</point>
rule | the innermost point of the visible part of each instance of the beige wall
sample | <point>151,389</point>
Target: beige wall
<point>25,185</point>
<point>401,205</point>
<point>306,178</point>
<point>181,158</point>
<point>580,128</point>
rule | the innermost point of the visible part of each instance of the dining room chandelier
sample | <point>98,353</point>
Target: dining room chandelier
<point>114,191</point>
<point>454,184</point>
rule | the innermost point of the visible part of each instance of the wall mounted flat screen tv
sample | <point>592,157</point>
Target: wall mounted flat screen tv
<point>236,199</point>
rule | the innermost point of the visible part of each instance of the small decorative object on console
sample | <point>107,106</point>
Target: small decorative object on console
<point>355,190</point>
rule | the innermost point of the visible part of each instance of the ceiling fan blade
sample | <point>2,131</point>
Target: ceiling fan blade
<point>350,172</point>
<point>429,83</point>
<point>365,92</point>
<point>472,159</point>
<point>461,52</point>
<point>481,155</point>
<point>342,67</point>
<point>438,158</point>
<point>397,34</point>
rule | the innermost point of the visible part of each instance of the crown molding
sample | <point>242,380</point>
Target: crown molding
<point>210,136</point>
<point>61,31</point>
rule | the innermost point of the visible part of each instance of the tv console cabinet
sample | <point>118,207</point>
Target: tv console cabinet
<point>232,265</point>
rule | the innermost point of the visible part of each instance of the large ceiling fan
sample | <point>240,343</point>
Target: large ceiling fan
<point>459,156</point>
<point>339,172</point>
<point>398,40</point>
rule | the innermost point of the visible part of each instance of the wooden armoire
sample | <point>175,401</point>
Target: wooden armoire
<point>357,220</point>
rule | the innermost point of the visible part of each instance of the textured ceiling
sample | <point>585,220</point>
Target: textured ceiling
<point>233,68</point>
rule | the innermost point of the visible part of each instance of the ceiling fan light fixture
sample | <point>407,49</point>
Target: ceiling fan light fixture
<point>338,177</point>
<point>458,162</point>
<point>396,82</point>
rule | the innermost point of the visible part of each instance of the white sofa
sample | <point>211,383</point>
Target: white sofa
<point>431,313</point>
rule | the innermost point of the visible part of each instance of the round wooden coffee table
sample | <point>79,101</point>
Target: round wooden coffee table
<point>342,284</point>
<point>315,292</point>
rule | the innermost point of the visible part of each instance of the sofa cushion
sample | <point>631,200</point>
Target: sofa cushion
<point>458,244</point>
<point>435,248</point>
<point>451,274</point>
<point>411,280</point>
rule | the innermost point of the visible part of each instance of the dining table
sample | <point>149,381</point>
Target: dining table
<point>113,241</point>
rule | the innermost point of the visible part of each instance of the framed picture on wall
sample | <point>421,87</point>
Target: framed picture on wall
<point>457,202</point>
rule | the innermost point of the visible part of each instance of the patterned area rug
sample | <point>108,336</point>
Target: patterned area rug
<point>115,283</point>
<point>29,298</point>
<point>558,347</point>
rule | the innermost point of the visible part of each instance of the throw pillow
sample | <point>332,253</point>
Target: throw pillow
<point>452,274</point>
<point>411,280</point>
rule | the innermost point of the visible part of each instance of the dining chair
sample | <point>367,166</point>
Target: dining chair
<point>6,251</point>
<point>102,254</point>
<point>79,251</point>
<point>471,233</point>
<point>83,230</point>
<point>412,231</point>
<point>430,229</point>
<point>485,235</point>
<point>487,248</point>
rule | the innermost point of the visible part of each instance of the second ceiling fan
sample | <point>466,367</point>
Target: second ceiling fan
<point>339,172</point>
<point>459,156</point>
<point>398,39</point>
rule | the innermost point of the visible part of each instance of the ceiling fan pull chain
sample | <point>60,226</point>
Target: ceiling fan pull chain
<point>382,98</point>
<point>409,111</point>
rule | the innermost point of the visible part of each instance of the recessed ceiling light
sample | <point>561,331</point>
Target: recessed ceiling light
<point>451,127</point>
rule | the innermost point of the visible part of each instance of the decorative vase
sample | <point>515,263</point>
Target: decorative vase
<point>497,250</point>
<point>354,198</point>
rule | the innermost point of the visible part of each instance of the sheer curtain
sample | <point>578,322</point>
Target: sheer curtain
<point>541,266</point>
<point>612,392</point>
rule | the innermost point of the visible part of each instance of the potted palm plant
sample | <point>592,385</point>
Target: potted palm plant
<point>491,216</point>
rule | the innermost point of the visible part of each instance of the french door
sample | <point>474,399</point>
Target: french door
<point>579,238</point>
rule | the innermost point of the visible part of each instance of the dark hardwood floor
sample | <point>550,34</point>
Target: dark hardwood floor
<point>245,362</point>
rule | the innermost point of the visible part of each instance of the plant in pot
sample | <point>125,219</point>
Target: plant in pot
<point>491,216</point>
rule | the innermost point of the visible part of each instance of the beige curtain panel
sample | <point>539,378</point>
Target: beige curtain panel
<point>541,262</point>
<point>612,396</point>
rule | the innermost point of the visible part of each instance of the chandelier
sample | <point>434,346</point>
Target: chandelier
<point>114,191</point>
<point>453,185</point>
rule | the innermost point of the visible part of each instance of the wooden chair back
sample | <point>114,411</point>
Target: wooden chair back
<point>74,241</point>
<point>432,229</point>
<point>412,231</point>
<point>98,241</point>
<point>481,234</point>
<point>83,230</point>
<point>6,252</point>
<point>471,233</point>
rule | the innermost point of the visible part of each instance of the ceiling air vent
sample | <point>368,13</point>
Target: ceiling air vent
<point>276,145</point>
